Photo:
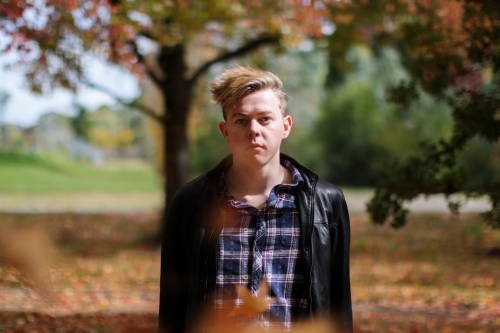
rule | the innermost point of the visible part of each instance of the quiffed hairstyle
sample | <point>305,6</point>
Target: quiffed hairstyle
<point>236,83</point>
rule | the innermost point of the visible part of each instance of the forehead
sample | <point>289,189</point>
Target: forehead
<point>258,102</point>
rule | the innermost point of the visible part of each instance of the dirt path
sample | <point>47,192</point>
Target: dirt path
<point>434,203</point>
<point>144,202</point>
<point>80,202</point>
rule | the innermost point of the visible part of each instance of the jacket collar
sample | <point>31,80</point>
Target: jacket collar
<point>310,177</point>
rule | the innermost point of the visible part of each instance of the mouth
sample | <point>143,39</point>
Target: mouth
<point>255,146</point>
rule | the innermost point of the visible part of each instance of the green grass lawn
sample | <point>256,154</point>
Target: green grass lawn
<point>43,174</point>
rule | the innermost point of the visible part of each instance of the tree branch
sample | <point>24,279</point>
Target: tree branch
<point>250,46</point>
<point>155,78</point>
<point>151,74</point>
<point>133,104</point>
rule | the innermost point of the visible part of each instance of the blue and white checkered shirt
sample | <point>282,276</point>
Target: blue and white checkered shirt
<point>262,243</point>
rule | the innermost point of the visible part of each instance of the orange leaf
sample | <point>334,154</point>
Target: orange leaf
<point>253,305</point>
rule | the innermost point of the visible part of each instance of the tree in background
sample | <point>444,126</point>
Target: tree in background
<point>115,129</point>
<point>455,56</point>
<point>359,132</point>
<point>4,99</point>
<point>366,22</point>
<point>81,123</point>
<point>55,35</point>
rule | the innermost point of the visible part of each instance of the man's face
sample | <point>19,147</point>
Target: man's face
<point>255,128</point>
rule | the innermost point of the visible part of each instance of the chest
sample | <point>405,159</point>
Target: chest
<point>258,201</point>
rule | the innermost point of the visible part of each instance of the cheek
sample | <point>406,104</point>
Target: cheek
<point>234,137</point>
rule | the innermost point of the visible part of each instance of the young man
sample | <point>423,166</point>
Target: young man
<point>258,216</point>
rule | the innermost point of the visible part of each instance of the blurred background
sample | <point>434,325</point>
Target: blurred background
<point>105,113</point>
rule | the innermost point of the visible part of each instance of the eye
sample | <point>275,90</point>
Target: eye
<point>265,119</point>
<point>240,121</point>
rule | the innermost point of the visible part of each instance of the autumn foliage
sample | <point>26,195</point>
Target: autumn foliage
<point>54,38</point>
<point>54,35</point>
<point>450,48</point>
<point>454,56</point>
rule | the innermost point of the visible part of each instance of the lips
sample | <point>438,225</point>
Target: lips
<point>255,146</point>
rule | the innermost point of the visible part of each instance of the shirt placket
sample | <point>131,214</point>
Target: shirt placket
<point>257,250</point>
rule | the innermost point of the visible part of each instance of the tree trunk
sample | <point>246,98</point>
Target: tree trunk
<point>177,95</point>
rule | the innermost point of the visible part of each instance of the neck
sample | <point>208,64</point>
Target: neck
<point>243,180</point>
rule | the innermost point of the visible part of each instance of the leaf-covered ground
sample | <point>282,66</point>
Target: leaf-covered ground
<point>434,275</point>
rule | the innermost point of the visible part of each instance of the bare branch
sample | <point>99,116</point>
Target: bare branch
<point>155,79</point>
<point>248,47</point>
<point>151,74</point>
<point>133,104</point>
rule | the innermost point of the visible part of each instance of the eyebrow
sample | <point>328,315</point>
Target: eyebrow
<point>241,114</point>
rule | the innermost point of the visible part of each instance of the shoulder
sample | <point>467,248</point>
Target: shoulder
<point>329,201</point>
<point>313,183</point>
<point>187,202</point>
<point>324,188</point>
<point>329,198</point>
<point>192,190</point>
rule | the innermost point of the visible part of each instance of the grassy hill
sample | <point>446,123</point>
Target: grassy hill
<point>45,174</point>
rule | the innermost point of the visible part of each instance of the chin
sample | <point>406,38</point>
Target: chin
<point>258,158</point>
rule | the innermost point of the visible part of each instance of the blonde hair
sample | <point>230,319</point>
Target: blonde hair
<point>236,83</point>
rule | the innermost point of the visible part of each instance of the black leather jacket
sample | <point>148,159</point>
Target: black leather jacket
<point>190,238</point>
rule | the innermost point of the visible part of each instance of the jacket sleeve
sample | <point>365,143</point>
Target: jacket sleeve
<point>174,270</point>
<point>340,297</point>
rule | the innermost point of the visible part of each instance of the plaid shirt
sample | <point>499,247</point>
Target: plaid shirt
<point>262,243</point>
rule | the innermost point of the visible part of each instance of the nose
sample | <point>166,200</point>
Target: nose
<point>253,128</point>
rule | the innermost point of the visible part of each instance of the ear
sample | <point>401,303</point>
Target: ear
<point>223,130</point>
<point>287,125</point>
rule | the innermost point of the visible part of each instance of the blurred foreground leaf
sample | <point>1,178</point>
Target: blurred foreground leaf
<point>254,305</point>
<point>31,251</point>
